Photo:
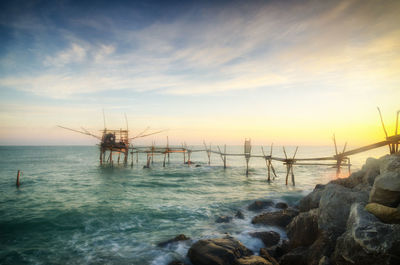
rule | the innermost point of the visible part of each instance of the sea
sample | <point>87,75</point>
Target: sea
<point>69,209</point>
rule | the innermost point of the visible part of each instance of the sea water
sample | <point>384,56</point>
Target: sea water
<point>71,210</point>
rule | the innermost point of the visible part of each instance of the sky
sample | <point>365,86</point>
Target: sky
<point>288,72</point>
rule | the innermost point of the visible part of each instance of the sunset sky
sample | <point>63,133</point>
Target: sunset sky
<point>288,72</point>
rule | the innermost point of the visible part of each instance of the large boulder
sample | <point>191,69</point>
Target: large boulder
<point>334,207</point>
<point>303,229</point>
<point>311,201</point>
<point>279,250</point>
<point>297,256</point>
<point>367,240</point>
<point>371,170</point>
<point>218,251</point>
<point>253,260</point>
<point>385,214</point>
<point>260,205</point>
<point>269,238</point>
<point>323,246</point>
<point>280,218</point>
<point>386,188</point>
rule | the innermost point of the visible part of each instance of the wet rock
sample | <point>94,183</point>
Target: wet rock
<point>269,238</point>
<point>334,207</point>
<point>279,250</point>
<point>311,201</point>
<point>180,237</point>
<point>259,205</point>
<point>386,189</point>
<point>303,229</point>
<point>218,251</point>
<point>296,256</point>
<point>239,215</point>
<point>252,260</point>
<point>281,205</point>
<point>385,214</point>
<point>198,165</point>
<point>264,254</point>
<point>279,218</point>
<point>223,219</point>
<point>367,240</point>
<point>324,261</point>
<point>323,246</point>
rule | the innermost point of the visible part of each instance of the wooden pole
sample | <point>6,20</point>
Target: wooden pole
<point>165,156</point>
<point>267,163</point>
<point>168,148</point>
<point>17,183</point>
<point>101,155</point>
<point>224,156</point>
<point>287,172</point>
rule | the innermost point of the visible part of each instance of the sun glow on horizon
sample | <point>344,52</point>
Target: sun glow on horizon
<point>275,71</point>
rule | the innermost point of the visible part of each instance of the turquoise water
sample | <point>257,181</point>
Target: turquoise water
<point>70,210</point>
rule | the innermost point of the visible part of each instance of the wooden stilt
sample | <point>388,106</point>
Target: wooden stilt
<point>165,156</point>
<point>225,156</point>
<point>247,154</point>
<point>287,173</point>
<point>189,155</point>
<point>18,175</point>
<point>119,155</point>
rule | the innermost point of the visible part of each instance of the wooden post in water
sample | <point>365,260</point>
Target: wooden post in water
<point>165,156</point>
<point>267,163</point>
<point>223,155</point>
<point>132,159</point>
<point>289,165</point>
<point>189,155</point>
<point>17,183</point>
<point>168,148</point>
<point>208,150</point>
<point>184,147</point>
<point>247,154</point>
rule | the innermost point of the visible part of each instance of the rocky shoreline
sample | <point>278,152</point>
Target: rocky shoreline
<point>354,220</point>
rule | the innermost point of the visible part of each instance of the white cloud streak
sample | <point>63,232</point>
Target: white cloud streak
<point>351,42</point>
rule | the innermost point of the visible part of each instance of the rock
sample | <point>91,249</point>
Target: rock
<point>386,188</point>
<point>198,165</point>
<point>180,237</point>
<point>239,215</point>
<point>252,260</point>
<point>281,205</point>
<point>324,261</point>
<point>223,219</point>
<point>389,163</point>
<point>371,169</point>
<point>303,229</point>
<point>279,250</point>
<point>311,201</point>
<point>334,207</point>
<point>385,214</point>
<point>218,251</point>
<point>264,254</point>
<point>269,238</point>
<point>259,205</point>
<point>296,256</point>
<point>367,240</point>
<point>280,218</point>
<point>323,246</point>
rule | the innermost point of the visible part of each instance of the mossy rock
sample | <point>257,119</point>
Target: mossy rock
<point>384,213</point>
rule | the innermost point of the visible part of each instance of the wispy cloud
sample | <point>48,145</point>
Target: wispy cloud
<point>251,47</point>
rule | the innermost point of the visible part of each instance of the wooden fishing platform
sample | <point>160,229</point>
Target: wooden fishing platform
<point>118,141</point>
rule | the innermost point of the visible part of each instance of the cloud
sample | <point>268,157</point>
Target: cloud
<point>226,49</point>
